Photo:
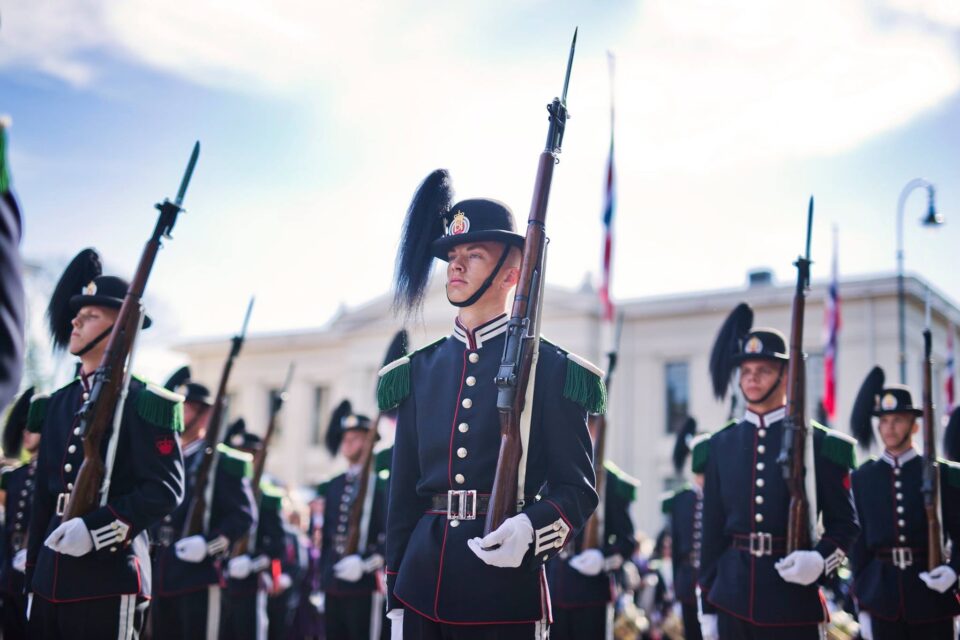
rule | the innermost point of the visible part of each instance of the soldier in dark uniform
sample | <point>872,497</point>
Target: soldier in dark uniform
<point>444,578</point>
<point>12,307</point>
<point>354,602</point>
<point>749,589</point>
<point>187,570</point>
<point>581,581</point>
<point>256,573</point>
<point>17,482</point>
<point>684,508</point>
<point>898,599</point>
<point>90,576</point>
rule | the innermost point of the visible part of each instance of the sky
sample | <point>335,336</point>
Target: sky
<point>317,121</point>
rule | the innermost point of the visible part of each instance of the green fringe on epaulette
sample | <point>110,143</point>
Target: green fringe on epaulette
<point>699,456</point>
<point>4,166</point>
<point>621,482</point>
<point>394,386</point>
<point>951,472</point>
<point>666,505</point>
<point>236,463</point>
<point>322,488</point>
<point>585,388</point>
<point>4,478</point>
<point>160,411</point>
<point>37,413</point>
<point>836,448</point>
<point>383,459</point>
<point>271,497</point>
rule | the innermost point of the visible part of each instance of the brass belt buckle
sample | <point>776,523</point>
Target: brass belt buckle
<point>466,504</point>
<point>902,557</point>
<point>761,544</point>
<point>62,503</point>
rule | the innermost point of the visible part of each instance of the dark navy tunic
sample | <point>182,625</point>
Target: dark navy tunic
<point>890,504</point>
<point>744,493</point>
<point>269,539</point>
<point>448,438</point>
<point>18,483</point>
<point>686,527</point>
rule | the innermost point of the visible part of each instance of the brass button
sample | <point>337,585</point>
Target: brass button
<point>462,452</point>
<point>903,538</point>
<point>72,448</point>
<point>901,523</point>
<point>758,499</point>
<point>900,509</point>
<point>899,496</point>
<point>558,543</point>
<point>76,431</point>
<point>459,478</point>
<point>68,467</point>
<point>761,449</point>
<point>463,427</point>
<point>454,523</point>
<point>896,471</point>
<point>762,433</point>
<point>759,482</point>
<point>471,381</point>
<point>897,484</point>
<point>85,396</point>
<point>758,517</point>
<point>69,486</point>
<point>467,403</point>
<point>474,357</point>
<point>760,466</point>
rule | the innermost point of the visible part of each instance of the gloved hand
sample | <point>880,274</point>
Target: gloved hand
<point>71,538</point>
<point>396,624</point>
<point>940,579</point>
<point>866,631</point>
<point>613,563</point>
<point>283,583</point>
<point>589,562</point>
<point>708,626</point>
<point>19,562</point>
<point>239,568</point>
<point>349,569</point>
<point>801,567</point>
<point>319,601</point>
<point>514,537</point>
<point>192,549</point>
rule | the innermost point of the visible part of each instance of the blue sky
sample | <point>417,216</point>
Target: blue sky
<point>317,121</point>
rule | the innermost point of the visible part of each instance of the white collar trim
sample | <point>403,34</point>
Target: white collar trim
<point>899,461</point>
<point>485,332</point>
<point>766,419</point>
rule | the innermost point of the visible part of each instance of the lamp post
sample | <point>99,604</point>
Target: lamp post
<point>932,219</point>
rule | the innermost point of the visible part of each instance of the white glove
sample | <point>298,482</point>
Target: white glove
<point>319,601</point>
<point>396,624</point>
<point>239,568</point>
<point>283,583</point>
<point>514,537</point>
<point>259,563</point>
<point>589,562</point>
<point>71,538</point>
<point>866,631</point>
<point>613,563</point>
<point>19,562</point>
<point>940,579</point>
<point>349,569</point>
<point>801,567</point>
<point>192,549</point>
<point>708,626</point>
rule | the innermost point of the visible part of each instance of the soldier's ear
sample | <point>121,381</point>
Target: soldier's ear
<point>511,277</point>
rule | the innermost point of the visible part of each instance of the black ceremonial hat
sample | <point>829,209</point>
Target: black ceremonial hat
<point>476,220</point>
<point>238,436</point>
<point>16,423</point>
<point>196,392</point>
<point>103,291</point>
<point>861,416</point>
<point>895,399</point>
<point>762,344</point>
<point>342,420</point>
<point>681,447</point>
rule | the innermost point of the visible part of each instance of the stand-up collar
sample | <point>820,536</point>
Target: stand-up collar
<point>899,461</point>
<point>193,447</point>
<point>766,419</point>
<point>488,330</point>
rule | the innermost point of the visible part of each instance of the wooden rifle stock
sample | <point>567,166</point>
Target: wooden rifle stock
<point>931,472</point>
<point>367,470</point>
<point>108,388</point>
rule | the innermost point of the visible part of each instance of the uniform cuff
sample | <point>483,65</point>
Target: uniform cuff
<point>551,529</point>
<point>107,530</point>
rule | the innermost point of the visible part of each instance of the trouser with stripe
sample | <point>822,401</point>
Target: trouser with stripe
<point>244,616</point>
<point>356,617</point>
<point>579,622</point>
<point>416,626</point>
<point>189,616</point>
<point>102,619</point>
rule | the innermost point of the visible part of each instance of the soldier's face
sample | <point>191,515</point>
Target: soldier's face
<point>896,430</point>
<point>757,377</point>
<point>352,444</point>
<point>30,441</point>
<point>196,416</point>
<point>88,324</point>
<point>469,265</point>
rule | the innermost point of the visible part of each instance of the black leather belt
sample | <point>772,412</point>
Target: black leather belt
<point>901,557</point>
<point>460,504</point>
<point>760,544</point>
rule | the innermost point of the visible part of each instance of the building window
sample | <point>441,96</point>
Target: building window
<point>319,416</point>
<point>677,376</point>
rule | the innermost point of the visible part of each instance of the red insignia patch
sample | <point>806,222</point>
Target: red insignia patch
<point>165,445</point>
<point>846,482</point>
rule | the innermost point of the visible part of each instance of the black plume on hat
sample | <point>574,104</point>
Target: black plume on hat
<point>726,347</point>
<point>84,267</point>
<point>335,428</point>
<point>951,437</point>
<point>681,448</point>
<point>16,423</point>
<point>861,417</point>
<point>238,436</point>
<point>180,377</point>
<point>423,225</point>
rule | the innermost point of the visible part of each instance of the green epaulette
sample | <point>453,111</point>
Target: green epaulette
<point>5,476</point>
<point>236,463</point>
<point>584,384</point>
<point>37,412</point>
<point>700,450</point>
<point>382,463</point>
<point>838,448</point>
<point>271,496</point>
<point>160,407</point>
<point>667,500</point>
<point>951,472</point>
<point>621,482</point>
<point>322,489</point>
<point>4,167</point>
<point>393,385</point>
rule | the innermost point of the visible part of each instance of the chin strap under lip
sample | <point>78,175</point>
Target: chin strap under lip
<point>486,283</point>
<point>769,393</point>
<point>90,345</point>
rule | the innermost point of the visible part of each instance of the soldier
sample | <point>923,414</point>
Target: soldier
<point>12,307</point>
<point>255,573</point>
<point>581,581</point>
<point>444,578</point>
<point>354,603</point>
<point>187,570</point>
<point>897,597</point>
<point>749,589</point>
<point>17,482</point>
<point>684,508</point>
<point>90,576</point>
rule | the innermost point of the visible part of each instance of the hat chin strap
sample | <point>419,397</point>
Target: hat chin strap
<point>486,283</point>
<point>769,393</point>
<point>90,345</point>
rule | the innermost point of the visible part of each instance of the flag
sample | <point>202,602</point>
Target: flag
<point>949,373</point>
<point>832,329</point>
<point>609,206</point>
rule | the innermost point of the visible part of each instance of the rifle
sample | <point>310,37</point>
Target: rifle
<point>260,459</point>
<point>197,512</point>
<point>523,329</point>
<point>793,449</point>
<point>357,524</point>
<point>591,533</point>
<point>931,472</point>
<point>108,391</point>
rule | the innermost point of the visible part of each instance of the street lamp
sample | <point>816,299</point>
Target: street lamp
<point>932,219</point>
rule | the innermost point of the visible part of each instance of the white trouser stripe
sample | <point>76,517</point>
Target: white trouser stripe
<point>128,607</point>
<point>213,612</point>
<point>376,614</point>
<point>263,623</point>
